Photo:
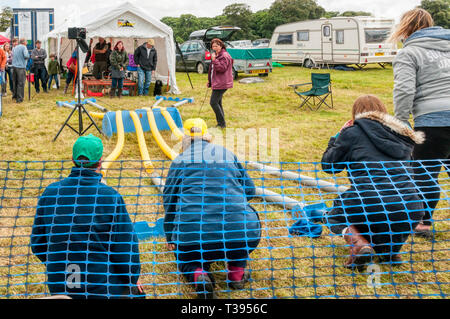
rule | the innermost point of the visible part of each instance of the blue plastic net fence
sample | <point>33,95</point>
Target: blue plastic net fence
<point>236,230</point>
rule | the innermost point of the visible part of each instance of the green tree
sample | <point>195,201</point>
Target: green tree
<point>239,15</point>
<point>5,19</point>
<point>287,11</point>
<point>439,10</point>
<point>355,14</point>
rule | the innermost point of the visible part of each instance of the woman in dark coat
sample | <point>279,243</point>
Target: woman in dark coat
<point>382,207</point>
<point>208,217</point>
<point>119,63</point>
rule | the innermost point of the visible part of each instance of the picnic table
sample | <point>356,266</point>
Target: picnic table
<point>130,85</point>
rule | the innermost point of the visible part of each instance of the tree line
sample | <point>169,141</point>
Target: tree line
<point>261,24</point>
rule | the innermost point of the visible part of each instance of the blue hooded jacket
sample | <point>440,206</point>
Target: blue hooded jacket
<point>82,224</point>
<point>206,198</point>
<point>432,32</point>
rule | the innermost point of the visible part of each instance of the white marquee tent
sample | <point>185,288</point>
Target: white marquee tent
<point>126,22</point>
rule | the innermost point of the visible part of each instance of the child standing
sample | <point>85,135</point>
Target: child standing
<point>53,70</point>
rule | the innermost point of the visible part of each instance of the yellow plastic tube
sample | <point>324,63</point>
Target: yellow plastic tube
<point>97,115</point>
<point>173,127</point>
<point>119,146</point>
<point>170,153</point>
<point>141,141</point>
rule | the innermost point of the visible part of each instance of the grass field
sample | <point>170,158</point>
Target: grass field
<point>283,266</point>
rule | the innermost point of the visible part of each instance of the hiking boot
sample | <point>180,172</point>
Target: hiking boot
<point>204,287</point>
<point>112,93</point>
<point>235,283</point>
<point>361,251</point>
<point>119,93</point>
<point>65,89</point>
<point>424,231</point>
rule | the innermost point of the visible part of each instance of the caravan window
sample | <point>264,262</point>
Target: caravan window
<point>326,31</point>
<point>284,39</point>
<point>302,35</point>
<point>376,35</point>
<point>339,36</point>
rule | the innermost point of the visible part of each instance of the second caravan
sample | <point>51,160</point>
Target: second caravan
<point>340,40</point>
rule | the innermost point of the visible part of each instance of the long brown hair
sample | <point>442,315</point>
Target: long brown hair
<point>412,21</point>
<point>367,103</point>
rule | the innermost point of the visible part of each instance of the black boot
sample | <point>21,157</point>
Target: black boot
<point>119,93</point>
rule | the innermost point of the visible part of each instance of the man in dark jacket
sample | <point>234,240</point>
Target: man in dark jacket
<point>382,207</point>
<point>101,58</point>
<point>83,234</point>
<point>38,55</point>
<point>146,59</point>
<point>208,217</point>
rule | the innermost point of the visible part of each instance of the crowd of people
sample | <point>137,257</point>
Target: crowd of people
<point>16,60</point>
<point>81,221</point>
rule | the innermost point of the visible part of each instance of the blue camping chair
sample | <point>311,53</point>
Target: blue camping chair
<point>320,89</point>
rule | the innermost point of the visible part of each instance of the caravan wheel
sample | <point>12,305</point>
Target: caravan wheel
<point>308,64</point>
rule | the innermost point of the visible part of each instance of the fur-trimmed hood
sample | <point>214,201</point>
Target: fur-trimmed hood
<point>394,124</point>
<point>388,135</point>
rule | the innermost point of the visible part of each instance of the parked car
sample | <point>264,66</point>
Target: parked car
<point>261,43</point>
<point>241,44</point>
<point>196,53</point>
<point>196,57</point>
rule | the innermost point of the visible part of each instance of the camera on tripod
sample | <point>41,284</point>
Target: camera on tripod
<point>77,33</point>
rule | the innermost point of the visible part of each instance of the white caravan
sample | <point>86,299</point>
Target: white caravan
<point>339,40</point>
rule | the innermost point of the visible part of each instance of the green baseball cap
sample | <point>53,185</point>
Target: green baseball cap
<point>90,147</point>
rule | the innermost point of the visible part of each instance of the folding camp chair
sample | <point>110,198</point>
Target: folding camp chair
<point>321,89</point>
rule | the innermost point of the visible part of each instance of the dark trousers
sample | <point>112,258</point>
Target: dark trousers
<point>216,104</point>
<point>19,79</point>
<point>99,68</point>
<point>40,75</point>
<point>202,255</point>
<point>8,77</point>
<point>50,79</point>
<point>434,153</point>
<point>70,77</point>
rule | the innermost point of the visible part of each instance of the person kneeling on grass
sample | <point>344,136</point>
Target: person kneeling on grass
<point>382,207</point>
<point>84,235</point>
<point>207,214</point>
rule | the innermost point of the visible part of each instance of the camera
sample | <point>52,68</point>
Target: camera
<point>77,33</point>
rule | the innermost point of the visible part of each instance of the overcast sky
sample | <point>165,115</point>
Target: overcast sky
<point>211,8</point>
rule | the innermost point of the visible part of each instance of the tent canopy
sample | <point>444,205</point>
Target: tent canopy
<point>3,40</point>
<point>130,24</point>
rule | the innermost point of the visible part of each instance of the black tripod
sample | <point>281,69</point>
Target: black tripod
<point>78,107</point>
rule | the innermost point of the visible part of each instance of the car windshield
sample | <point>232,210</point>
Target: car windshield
<point>376,35</point>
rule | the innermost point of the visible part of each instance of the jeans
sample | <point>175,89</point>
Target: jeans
<point>8,74</point>
<point>435,152</point>
<point>117,83</point>
<point>53,76</point>
<point>3,81</point>
<point>144,80</point>
<point>216,104</point>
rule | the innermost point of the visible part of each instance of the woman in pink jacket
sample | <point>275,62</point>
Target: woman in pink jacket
<point>220,78</point>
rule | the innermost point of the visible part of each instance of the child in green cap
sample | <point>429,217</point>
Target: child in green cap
<point>83,233</point>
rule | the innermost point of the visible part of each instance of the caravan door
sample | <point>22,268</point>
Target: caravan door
<point>327,43</point>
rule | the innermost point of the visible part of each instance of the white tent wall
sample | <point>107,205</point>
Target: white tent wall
<point>141,27</point>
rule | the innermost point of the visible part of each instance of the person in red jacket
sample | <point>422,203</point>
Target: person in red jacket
<point>220,78</point>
